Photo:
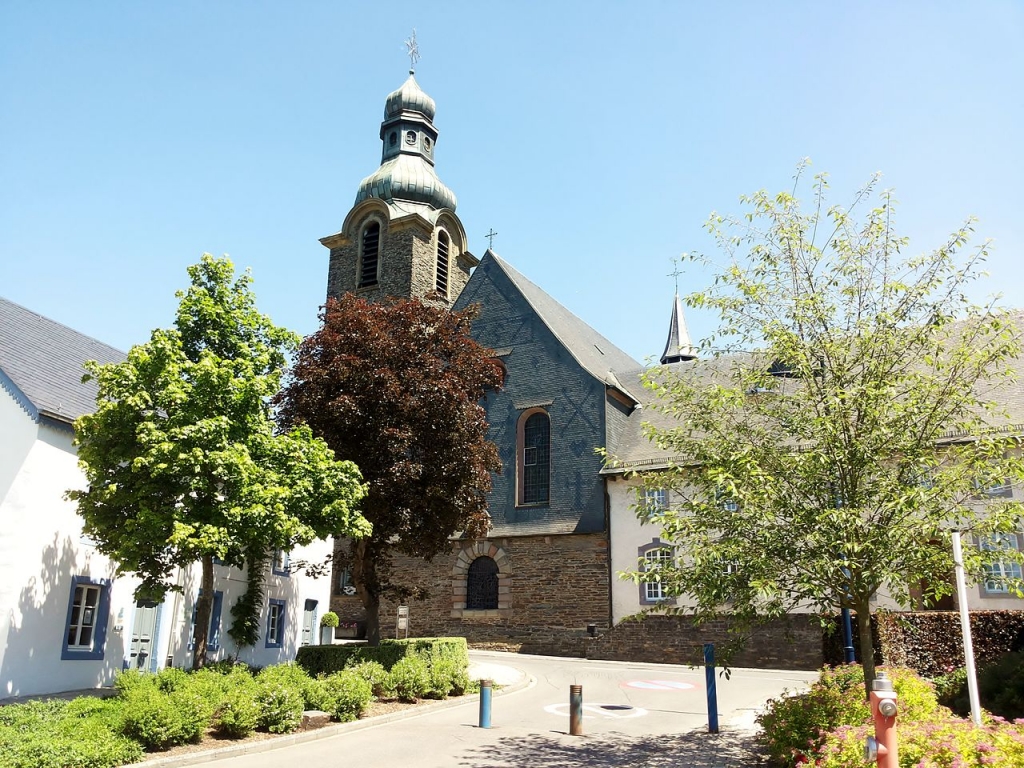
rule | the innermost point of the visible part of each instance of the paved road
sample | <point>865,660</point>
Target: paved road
<point>634,715</point>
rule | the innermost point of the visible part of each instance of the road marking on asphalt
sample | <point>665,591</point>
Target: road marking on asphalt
<point>659,685</point>
<point>607,711</point>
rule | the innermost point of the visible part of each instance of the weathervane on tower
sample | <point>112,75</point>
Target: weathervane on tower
<point>413,51</point>
<point>676,272</point>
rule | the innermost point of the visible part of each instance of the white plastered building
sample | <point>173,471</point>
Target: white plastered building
<point>67,620</point>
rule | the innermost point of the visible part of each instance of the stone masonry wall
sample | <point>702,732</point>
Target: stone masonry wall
<point>557,585</point>
<point>406,267</point>
<point>793,643</point>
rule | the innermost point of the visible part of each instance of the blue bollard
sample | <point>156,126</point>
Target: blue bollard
<point>575,710</point>
<point>709,678</point>
<point>485,703</point>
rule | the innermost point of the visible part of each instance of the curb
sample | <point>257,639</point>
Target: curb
<point>339,729</point>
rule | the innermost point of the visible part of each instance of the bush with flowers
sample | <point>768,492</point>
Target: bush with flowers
<point>795,727</point>
<point>948,743</point>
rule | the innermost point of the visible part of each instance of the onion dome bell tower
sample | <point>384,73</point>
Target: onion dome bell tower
<point>402,238</point>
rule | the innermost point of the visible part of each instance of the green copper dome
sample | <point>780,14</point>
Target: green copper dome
<point>409,97</point>
<point>407,177</point>
<point>407,160</point>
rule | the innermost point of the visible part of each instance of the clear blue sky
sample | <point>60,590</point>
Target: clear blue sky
<point>594,137</point>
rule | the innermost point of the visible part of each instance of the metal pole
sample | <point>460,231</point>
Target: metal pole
<point>575,710</point>
<point>965,628</point>
<point>485,703</point>
<point>709,679</point>
<point>848,653</point>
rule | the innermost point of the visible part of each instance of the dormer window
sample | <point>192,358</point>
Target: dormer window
<point>369,258</point>
<point>441,276</point>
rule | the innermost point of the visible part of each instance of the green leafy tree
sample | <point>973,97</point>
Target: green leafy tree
<point>845,421</point>
<point>396,386</point>
<point>181,456</point>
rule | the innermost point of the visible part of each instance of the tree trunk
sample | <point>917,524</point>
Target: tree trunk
<point>867,649</point>
<point>204,607</point>
<point>364,574</point>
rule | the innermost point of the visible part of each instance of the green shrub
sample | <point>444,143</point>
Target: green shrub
<point>349,693</point>
<point>31,714</point>
<point>131,678</point>
<point>951,691</point>
<point>946,743</point>
<point>281,703</point>
<point>325,659</point>
<point>55,734</point>
<point>374,673</point>
<point>795,726</point>
<point>329,619</point>
<point>88,745</point>
<point>170,678</point>
<point>1001,686</point>
<point>159,720</point>
<point>151,718</point>
<point>318,695</point>
<point>293,675</point>
<point>409,678</point>
<point>239,713</point>
<point>447,677</point>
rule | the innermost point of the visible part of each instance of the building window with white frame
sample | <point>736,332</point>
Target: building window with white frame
<point>275,623</point>
<point>86,624</point>
<point>654,557</point>
<point>281,563</point>
<point>1000,571</point>
<point>654,501</point>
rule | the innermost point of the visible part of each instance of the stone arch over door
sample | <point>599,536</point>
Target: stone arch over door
<point>471,551</point>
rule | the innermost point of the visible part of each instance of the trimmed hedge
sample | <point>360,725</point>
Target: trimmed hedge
<point>930,641</point>
<point>327,659</point>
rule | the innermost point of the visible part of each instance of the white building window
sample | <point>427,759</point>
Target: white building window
<point>86,623</point>
<point>999,571</point>
<point>655,501</point>
<point>655,557</point>
<point>275,623</point>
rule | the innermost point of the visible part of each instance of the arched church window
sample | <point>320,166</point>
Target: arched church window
<point>482,584</point>
<point>534,457</point>
<point>441,275</point>
<point>370,253</point>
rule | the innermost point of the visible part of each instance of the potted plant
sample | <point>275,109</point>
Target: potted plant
<point>327,624</point>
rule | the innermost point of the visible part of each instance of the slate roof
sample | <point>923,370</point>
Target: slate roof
<point>636,452</point>
<point>598,356</point>
<point>41,363</point>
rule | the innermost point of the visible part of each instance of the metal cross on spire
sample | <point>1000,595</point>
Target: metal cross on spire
<point>490,239</point>
<point>413,51</point>
<point>676,272</point>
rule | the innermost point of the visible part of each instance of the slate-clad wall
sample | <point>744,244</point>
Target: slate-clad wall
<point>540,372</point>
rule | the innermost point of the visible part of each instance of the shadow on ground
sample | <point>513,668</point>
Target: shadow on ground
<point>694,750</point>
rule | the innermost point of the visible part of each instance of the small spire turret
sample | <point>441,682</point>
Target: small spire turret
<point>678,348</point>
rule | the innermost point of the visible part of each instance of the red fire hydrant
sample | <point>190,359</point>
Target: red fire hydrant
<point>882,747</point>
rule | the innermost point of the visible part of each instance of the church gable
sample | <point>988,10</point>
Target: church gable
<point>547,421</point>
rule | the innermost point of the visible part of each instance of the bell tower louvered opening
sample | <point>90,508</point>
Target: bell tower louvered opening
<point>441,278</point>
<point>370,255</point>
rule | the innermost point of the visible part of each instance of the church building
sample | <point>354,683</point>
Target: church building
<point>543,580</point>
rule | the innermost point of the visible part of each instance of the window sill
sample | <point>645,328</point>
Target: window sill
<point>467,614</point>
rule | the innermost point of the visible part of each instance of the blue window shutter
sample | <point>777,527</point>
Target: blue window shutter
<point>218,601</point>
<point>192,626</point>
